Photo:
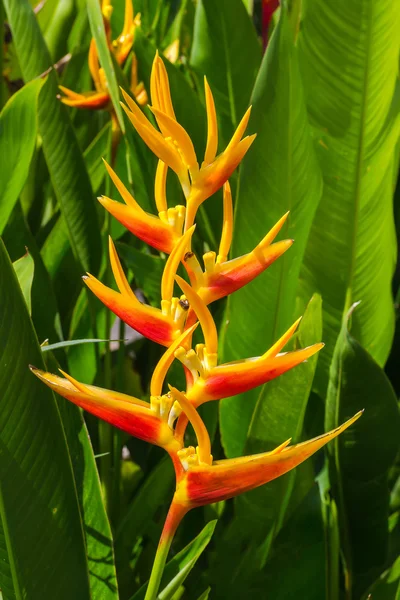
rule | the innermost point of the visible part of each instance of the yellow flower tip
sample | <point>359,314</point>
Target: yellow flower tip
<point>203,439</point>
<point>172,264</point>
<point>203,314</point>
<point>119,275</point>
<point>160,372</point>
<point>81,387</point>
<point>281,343</point>
<point>281,447</point>
<point>273,232</point>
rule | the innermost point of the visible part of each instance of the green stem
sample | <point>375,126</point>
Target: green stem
<point>175,515</point>
<point>106,431</point>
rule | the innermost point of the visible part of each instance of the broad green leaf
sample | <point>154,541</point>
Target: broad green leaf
<point>99,34</point>
<point>179,567</point>
<point>60,21</point>
<point>17,237</point>
<point>99,542</point>
<point>332,536</point>
<point>226,49</point>
<point>361,457</point>
<point>278,416</point>
<point>18,130</point>
<point>150,497</point>
<point>93,157</point>
<point>43,550</point>
<point>388,585</point>
<point>280,173</point>
<point>147,270</point>
<point>57,242</point>
<point>55,246</point>
<point>64,159</point>
<point>350,58</point>
<point>24,268</point>
<point>296,567</point>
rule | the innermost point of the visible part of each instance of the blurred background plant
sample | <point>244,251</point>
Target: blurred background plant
<point>323,82</point>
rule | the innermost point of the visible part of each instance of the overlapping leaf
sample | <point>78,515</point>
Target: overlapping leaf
<point>349,54</point>
<point>64,159</point>
<point>226,49</point>
<point>39,510</point>
<point>280,173</point>
<point>18,129</point>
<point>360,459</point>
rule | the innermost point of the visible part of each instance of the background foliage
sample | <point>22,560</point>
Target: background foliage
<point>82,505</point>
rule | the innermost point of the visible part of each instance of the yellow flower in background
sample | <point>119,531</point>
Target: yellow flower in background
<point>100,97</point>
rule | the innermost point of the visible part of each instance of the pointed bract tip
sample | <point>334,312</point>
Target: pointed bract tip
<point>85,277</point>
<point>32,368</point>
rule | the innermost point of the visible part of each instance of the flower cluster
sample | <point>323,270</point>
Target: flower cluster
<point>199,478</point>
<point>120,48</point>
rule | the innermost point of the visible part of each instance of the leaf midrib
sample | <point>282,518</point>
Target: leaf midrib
<point>360,159</point>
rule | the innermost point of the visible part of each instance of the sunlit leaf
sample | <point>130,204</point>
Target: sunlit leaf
<point>24,268</point>
<point>359,461</point>
<point>39,511</point>
<point>349,59</point>
<point>279,173</point>
<point>63,156</point>
<point>18,129</point>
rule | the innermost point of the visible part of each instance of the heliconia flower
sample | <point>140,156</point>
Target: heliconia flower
<point>214,382</point>
<point>123,44</point>
<point>146,421</point>
<point>159,325</point>
<point>173,146</point>
<point>100,98</point>
<point>162,232</point>
<point>200,480</point>
<point>222,277</point>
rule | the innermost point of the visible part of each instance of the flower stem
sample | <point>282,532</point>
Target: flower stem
<point>175,515</point>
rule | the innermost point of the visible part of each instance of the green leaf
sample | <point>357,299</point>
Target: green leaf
<point>18,130</point>
<point>361,457</point>
<point>205,594</point>
<point>63,156</point>
<point>42,546</point>
<point>57,242</point>
<point>226,49</point>
<point>99,543</point>
<point>17,237</point>
<point>177,569</point>
<point>58,345</point>
<point>278,416</point>
<point>280,173</point>
<point>151,495</point>
<point>296,567</point>
<point>388,585</point>
<point>99,34</point>
<point>147,270</point>
<point>350,58</point>
<point>93,155</point>
<point>24,268</point>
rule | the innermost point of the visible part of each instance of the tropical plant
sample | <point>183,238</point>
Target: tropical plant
<point>93,507</point>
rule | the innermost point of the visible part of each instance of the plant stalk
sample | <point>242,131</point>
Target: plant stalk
<point>175,515</point>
